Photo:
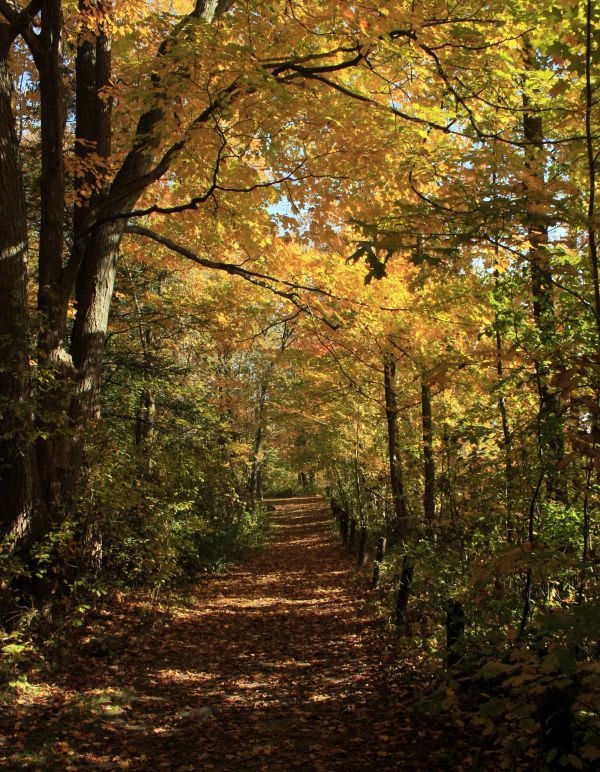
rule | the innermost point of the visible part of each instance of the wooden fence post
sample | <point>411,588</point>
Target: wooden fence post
<point>352,537</point>
<point>379,558</point>
<point>455,628</point>
<point>340,514</point>
<point>403,594</point>
<point>362,546</point>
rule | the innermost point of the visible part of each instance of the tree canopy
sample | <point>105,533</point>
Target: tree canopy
<point>256,249</point>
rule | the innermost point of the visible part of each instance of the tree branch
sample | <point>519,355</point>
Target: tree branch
<point>19,21</point>
<point>263,280</point>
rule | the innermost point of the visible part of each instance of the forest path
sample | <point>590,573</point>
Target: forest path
<point>276,665</point>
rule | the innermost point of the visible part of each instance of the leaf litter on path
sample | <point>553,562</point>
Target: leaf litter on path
<point>277,664</point>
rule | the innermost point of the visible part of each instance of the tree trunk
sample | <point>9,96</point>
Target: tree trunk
<point>255,481</point>
<point>362,546</point>
<point>396,477</point>
<point>428,458</point>
<point>507,444</point>
<point>146,411</point>
<point>255,475</point>
<point>378,561</point>
<point>455,629</point>
<point>53,289</point>
<point>536,222</point>
<point>144,418</point>
<point>403,595</point>
<point>17,471</point>
<point>100,229</point>
<point>592,157</point>
<point>71,402</point>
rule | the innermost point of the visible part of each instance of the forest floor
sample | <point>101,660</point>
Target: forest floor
<point>278,664</point>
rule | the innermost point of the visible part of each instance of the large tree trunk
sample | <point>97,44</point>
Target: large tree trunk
<point>99,231</point>
<point>17,471</point>
<point>100,224</point>
<point>71,402</point>
<point>53,292</point>
<point>92,264</point>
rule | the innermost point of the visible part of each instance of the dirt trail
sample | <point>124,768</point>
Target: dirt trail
<point>276,665</point>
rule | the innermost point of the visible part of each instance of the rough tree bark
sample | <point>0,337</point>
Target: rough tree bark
<point>18,496</point>
<point>69,403</point>
<point>40,462</point>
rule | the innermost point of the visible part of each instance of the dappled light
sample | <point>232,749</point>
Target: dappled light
<point>276,664</point>
<point>300,385</point>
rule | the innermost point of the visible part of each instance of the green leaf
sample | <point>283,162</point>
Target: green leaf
<point>13,649</point>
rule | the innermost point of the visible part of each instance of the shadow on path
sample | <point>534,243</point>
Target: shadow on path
<point>275,665</point>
